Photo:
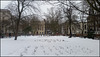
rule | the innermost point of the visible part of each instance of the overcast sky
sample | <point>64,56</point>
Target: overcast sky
<point>4,4</point>
<point>43,7</point>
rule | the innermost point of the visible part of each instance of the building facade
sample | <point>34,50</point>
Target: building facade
<point>5,22</point>
<point>41,28</point>
<point>76,30</point>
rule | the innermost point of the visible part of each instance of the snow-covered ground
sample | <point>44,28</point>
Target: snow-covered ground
<point>49,46</point>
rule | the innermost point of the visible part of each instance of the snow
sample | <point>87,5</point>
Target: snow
<point>49,46</point>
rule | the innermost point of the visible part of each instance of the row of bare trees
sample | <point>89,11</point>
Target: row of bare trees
<point>65,10</point>
<point>89,8</point>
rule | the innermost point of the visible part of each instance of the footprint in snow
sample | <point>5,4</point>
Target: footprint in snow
<point>56,48</point>
<point>48,41</point>
<point>61,47</point>
<point>25,51</point>
<point>54,40</point>
<point>33,53</point>
<point>66,51</point>
<point>53,46</point>
<point>63,40</point>
<point>56,54</point>
<point>42,47</point>
<point>28,46</point>
<point>71,50</point>
<point>45,40</point>
<point>59,40</point>
<point>21,55</point>
<point>36,47</point>
<point>51,50</point>
<point>44,51</point>
<point>60,52</point>
<point>34,50</point>
<point>35,40</point>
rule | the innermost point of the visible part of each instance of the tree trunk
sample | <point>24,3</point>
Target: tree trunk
<point>70,29</point>
<point>82,28</point>
<point>17,27</point>
<point>94,27</point>
<point>70,33</point>
<point>16,30</point>
<point>16,33</point>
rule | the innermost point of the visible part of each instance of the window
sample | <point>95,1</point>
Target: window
<point>40,32</point>
<point>85,27</point>
<point>42,27</point>
<point>85,31</point>
<point>38,27</point>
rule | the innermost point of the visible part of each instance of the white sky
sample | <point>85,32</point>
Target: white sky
<point>42,7</point>
<point>4,4</point>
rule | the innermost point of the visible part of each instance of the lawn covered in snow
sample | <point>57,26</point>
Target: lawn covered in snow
<point>49,46</point>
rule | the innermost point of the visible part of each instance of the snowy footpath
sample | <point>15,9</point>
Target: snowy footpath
<point>49,46</point>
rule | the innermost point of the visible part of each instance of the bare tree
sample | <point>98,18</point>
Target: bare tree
<point>82,17</point>
<point>95,4</point>
<point>19,8</point>
<point>53,18</point>
<point>68,14</point>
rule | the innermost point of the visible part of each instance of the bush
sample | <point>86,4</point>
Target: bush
<point>90,34</point>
